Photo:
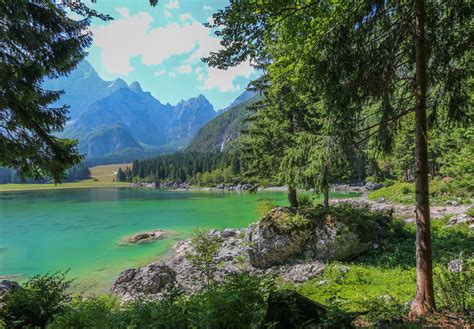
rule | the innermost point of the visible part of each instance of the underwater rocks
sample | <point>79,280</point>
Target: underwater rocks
<point>146,237</point>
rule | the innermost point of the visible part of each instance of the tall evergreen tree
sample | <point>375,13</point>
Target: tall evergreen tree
<point>38,41</point>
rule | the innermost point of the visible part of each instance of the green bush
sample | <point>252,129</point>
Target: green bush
<point>454,285</point>
<point>470,212</point>
<point>35,304</point>
<point>305,200</point>
<point>386,308</point>
<point>264,206</point>
<point>97,312</point>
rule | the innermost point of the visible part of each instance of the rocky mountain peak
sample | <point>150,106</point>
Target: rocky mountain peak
<point>135,86</point>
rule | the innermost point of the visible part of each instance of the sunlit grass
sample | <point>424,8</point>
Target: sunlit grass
<point>101,176</point>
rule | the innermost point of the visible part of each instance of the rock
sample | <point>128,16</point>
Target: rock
<point>7,286</point>
<point>380,200</point>
<point>268,246</point>
<point>228,233</point>
<point>146,237</point>
<point>455,265</point>
<point>300,272</point>
<point>452,203</point>
<point>372,186</point>
<point>410,220</point>
<point>149,280</point>
<point>290,309</point>
<point>461,218</point>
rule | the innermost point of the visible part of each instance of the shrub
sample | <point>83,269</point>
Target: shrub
<point>39,299</point>
<point>204,251</point>
<point>386,308</point>
<point>100,312</point>
<point>470,212</point>
<point>264,206</point>
<point>453,284</point>
<point>305,200</point>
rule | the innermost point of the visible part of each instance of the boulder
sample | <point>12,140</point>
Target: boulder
<point>461,218</point>
<point>7,286</point>
<point>323,239</point>
<point>372,186</point>
<point>270,246</point>
<point>149,280</point>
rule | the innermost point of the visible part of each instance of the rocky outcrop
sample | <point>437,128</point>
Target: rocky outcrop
<point>313,238</point>
<point>284,244</point>
<point>7,286</point>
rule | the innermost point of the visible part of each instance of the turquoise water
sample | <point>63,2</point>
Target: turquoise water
<point>80,230</point>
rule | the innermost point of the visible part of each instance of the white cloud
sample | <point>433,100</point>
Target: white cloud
<point>172,4</point>
<point>185,69</point>
<point>132,36</point>
<point>206,7</point>
<point>186,16</point>
<point>210,20</point>
<point>123,11</point>
<point>223,80</point>
<point>168,13</point>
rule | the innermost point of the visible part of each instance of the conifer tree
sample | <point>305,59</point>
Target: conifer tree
<point>38,41</point>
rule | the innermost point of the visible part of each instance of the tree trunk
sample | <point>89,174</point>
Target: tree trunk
<point>325,187</point>
<point>326,197</point>
<point>424,302</point>
<point>292,197</point>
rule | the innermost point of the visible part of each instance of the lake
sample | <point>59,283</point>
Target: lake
<point>81,229</point>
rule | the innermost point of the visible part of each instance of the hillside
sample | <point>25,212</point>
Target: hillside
<point>226,127</point>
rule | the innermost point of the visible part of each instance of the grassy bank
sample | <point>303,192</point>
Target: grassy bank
<point>101,176</point>
<point>440,192</point>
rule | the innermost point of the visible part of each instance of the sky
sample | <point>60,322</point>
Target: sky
<point>161,47</point>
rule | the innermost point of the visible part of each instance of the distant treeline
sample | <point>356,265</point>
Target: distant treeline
<point>193,167</point>
<point>78,172</point>
<point>208,169</point>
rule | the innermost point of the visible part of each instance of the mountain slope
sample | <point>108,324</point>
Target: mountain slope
<point>110,140</point>
<point>216,135</point>
<point>81,88</point>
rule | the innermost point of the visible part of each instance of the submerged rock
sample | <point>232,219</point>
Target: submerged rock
<point>145,237</point>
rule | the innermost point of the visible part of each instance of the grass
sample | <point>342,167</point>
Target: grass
<point>404,193</point>
<point>388,270</point>
<point>101,176</point>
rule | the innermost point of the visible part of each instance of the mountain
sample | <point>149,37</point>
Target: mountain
<point>246,95</point>
<point>81,88</point>
<point>142,115</point>
<point>189,116</point>
<point>216,135</point>
<point>110,140</point>
<point>111,117</point>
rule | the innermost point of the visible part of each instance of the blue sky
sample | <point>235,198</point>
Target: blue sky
<point>161,48</point>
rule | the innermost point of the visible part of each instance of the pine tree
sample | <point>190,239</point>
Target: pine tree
<point>38,41</point>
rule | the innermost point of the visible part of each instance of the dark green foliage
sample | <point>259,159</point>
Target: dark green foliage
<point>38,41</point>
<point>37,302</point>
